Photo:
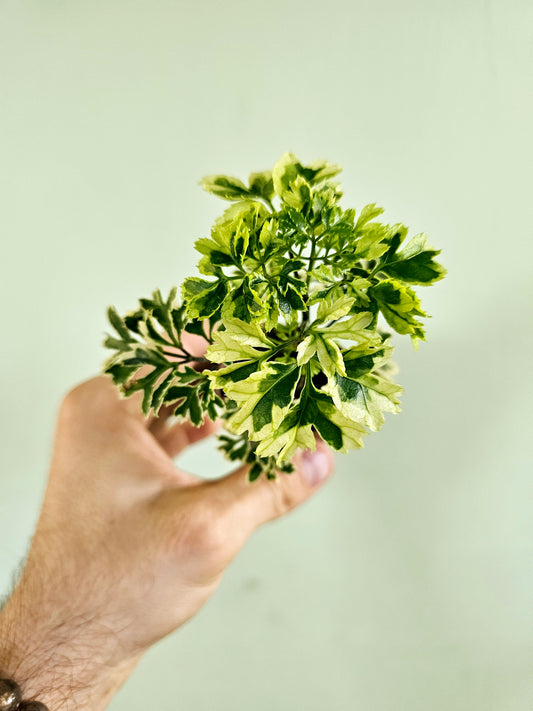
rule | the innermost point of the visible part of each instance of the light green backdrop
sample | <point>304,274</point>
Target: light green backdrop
<point>405,584</point>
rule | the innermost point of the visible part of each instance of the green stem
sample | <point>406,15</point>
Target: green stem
<point>278,349</point>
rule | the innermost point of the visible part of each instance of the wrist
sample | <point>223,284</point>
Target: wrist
<point>57,664</point>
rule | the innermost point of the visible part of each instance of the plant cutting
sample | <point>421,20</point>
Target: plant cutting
<point>295,304</point>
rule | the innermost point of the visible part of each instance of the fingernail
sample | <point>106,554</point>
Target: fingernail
<point>315,466</point>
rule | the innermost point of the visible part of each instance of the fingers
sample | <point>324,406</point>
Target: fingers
<point>99,394</point>
<point>181,435</point>
<point>251,504</point>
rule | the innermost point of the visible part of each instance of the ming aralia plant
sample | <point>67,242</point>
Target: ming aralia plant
<point>291,308</point>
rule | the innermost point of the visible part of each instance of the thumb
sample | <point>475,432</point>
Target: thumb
<point>252,504</point>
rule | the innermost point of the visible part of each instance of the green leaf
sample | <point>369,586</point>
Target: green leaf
<point>246,303</point>
<point>362,359</point>
<point>224,186</point>
<point>262,184</point>
<point>373,240</point>
<point>262,397</point>
<point>332,310</point>
<point>367,215</point>
<point>289,182</point>
<point>234,373</point>
<point>314,411</point>
<point>340,432</point>
<point>415,263</point>
<point>119,325</point>
<point>400,306</point>
<point>203,297</point>
<point>238,341</point>
<point>326,350</point>
<point>294,432</point>
<point>353,328</point>
<point>364,400</point>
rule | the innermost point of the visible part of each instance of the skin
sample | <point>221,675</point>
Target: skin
<point>127,547</point>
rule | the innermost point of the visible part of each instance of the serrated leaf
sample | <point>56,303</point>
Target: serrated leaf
<point>203,297</point>
<point>353,328</point>
<point>314,411</point>
<point>400,306</point>
<point>362,359</point>
<point>366,399</point>
<point>415,263</point>
<point>246,303</point>
<point>332,310</point>
<point>238,341</point>
<point>260,394</point>
<point>326,350</point>
<point>119,325</point>
<point>224,186</point>
<point>261,184</point>
<point>367,214</point>
<point>293,433</point>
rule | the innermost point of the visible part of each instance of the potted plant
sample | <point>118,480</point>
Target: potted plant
<point>294,300</point>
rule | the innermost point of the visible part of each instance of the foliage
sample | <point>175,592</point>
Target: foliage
<point>292,294</point>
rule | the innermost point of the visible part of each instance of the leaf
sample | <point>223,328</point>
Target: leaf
<point>119,325</point>
<point>367,215</point>
<point>364,400</point>
<point>314,411</point>
<point>400,306</point>
<point>224,186</point>
<point>373,241</point>
<point>192,397</point>
<point>262,397</point>
<point>354,328</point>
<point>326,350</point>
<point>203,297</point>
<point>294,432</point>
<point>164,319</point>
<point>340,432</point>
<point>245,302</point>
<point>238,341</point>
<point>267,237</point>
<point>262,184</point>
<point>362,359</point>
<point>234,373</point>
<point>415,263</point>
<point>332,310</point>
<point>288,181</point>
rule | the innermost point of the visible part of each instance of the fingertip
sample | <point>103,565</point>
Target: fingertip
<point>316,465</point>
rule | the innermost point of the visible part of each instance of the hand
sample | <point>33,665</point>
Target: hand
<point>127,547</point>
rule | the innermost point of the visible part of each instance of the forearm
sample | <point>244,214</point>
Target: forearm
<point>56,663</point>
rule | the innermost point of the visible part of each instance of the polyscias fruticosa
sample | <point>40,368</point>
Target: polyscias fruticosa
<point>291,311</point>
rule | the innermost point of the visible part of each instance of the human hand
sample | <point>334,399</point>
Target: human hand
<point>127,547</point>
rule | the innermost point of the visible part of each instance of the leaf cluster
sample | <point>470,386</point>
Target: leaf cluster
<point>295,300</point>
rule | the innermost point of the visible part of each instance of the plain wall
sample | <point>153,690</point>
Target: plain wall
<point>405,585</point>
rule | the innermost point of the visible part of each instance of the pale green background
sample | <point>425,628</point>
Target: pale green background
<point>405,584</point>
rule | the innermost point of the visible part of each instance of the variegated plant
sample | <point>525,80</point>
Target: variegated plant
<point>290,313</point>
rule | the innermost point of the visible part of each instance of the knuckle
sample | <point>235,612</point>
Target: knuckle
<point>71,400</point>
<point>197,531</point>
<point>89,398</point>
<point>77,396</point>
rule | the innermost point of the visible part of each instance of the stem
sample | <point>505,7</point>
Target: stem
<point>305,320</point>
<point>375,271</point>
<point>306,314</point>
<point>279,348</point>
<point>311,260</point>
